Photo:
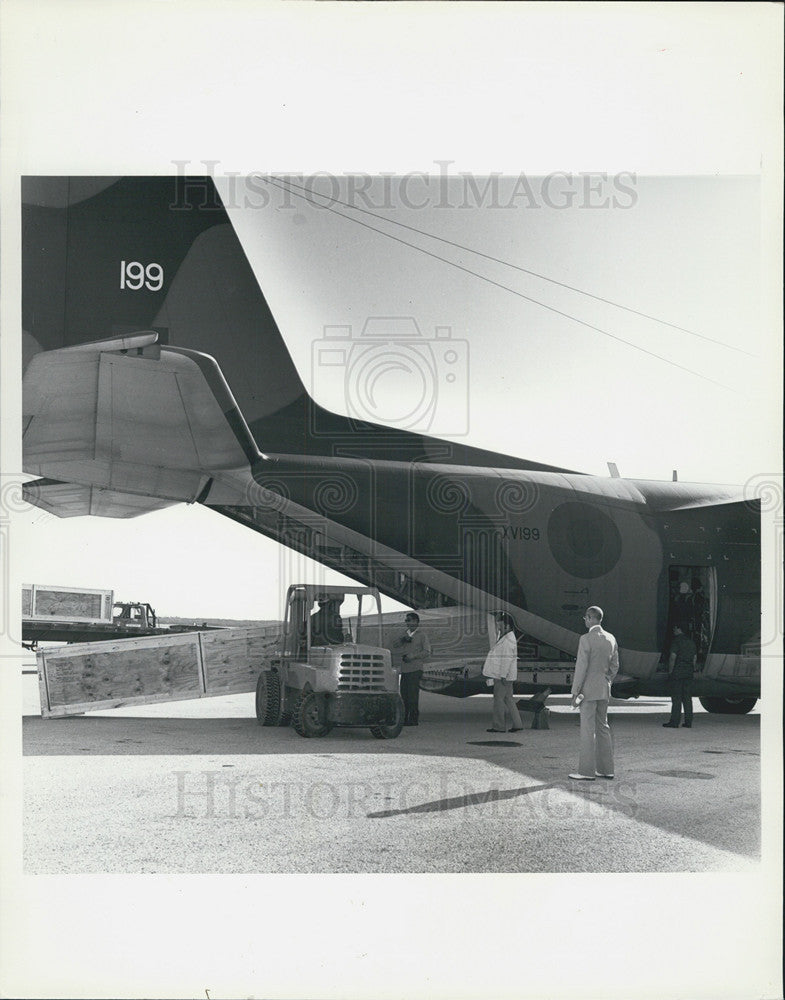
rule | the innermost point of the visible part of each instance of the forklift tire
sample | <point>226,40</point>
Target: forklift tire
<point>391,732</point>
<point>268,699</point>
<point>289,697</point>
<point>308,716</point>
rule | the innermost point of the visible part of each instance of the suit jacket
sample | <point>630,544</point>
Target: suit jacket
<point>596,666</point>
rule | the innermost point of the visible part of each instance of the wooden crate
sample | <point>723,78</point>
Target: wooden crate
<point>88,676</point>
<point>66,604</point>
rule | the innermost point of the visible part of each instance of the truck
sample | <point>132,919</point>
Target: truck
<point>331,669</point>
<point>134,615</point>
<point>79,614</point>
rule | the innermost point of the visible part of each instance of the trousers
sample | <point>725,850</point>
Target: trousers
<point>596,753</point>
<point>504,706</point>
<point>681,694</point>
<point>410,693</point>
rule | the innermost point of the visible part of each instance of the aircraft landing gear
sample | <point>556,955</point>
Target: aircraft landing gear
<point>728,706</point>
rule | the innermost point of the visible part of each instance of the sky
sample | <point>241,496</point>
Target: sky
<point>542,371</point>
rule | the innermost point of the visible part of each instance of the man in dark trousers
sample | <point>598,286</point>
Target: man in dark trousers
<point>684,656</point>
<point>409,653</point>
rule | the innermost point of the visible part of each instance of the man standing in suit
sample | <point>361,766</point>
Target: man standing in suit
<point>596,666</point>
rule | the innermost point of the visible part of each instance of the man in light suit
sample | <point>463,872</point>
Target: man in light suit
<point>596,666</point>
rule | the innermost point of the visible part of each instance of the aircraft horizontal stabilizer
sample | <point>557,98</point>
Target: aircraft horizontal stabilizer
<point>73,500</point>
<point>129,420</point>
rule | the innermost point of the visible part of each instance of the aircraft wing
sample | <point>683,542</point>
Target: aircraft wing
<point>125,426</point>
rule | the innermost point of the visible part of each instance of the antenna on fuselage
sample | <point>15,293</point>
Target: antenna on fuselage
<point>675,475</point>
<point>614,470</point>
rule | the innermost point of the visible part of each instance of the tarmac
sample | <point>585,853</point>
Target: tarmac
<point>200,787</point>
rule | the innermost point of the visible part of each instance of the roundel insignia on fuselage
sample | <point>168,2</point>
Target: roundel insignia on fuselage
<point>583,539</point>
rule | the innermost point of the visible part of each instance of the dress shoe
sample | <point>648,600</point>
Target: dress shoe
<point>670,725</point>
<point>686,725</point>
<point>598,775</point>
<point>495,730</point>
<point>517,729</point>
<point>581,777</point>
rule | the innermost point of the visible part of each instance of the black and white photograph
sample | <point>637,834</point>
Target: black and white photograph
<point>391,504</point>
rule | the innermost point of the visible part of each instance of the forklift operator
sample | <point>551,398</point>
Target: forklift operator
<point>326,625</point>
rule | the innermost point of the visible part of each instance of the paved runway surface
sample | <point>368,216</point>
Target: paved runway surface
<point>199,787</point>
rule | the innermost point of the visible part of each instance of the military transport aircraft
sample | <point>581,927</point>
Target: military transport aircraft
<point>156,374</point>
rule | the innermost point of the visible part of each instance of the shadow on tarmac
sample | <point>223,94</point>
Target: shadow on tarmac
<point>702,783</point>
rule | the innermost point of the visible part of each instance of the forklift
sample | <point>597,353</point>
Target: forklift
<point>332,669</point>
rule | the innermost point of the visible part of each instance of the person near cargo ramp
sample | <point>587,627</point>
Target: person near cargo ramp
<point>683,657</point>
<point>596,666</point>
<point>409,653</point>
<point>501,664</point>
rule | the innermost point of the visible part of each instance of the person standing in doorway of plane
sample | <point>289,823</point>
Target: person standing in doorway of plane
<point>501,664</point>
<point>409,652</point>
<point>595,667</point>
<point>682,660</point>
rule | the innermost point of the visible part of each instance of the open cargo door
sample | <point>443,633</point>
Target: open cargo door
<point>84,677</point>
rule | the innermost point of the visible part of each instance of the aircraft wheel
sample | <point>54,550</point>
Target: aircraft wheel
<point>728,706</point>
<point>308,715</point>
<point>268,699</point>
<point>392,731</point>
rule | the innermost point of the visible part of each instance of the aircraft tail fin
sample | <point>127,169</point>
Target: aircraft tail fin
<point>105,258</point>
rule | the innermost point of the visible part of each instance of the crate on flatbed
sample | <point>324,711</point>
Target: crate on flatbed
<point>66,604</point>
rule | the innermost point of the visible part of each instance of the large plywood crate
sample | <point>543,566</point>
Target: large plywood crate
<point>98,675</point>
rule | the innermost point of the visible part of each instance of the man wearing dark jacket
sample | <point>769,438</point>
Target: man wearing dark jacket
<point>682,662</point>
